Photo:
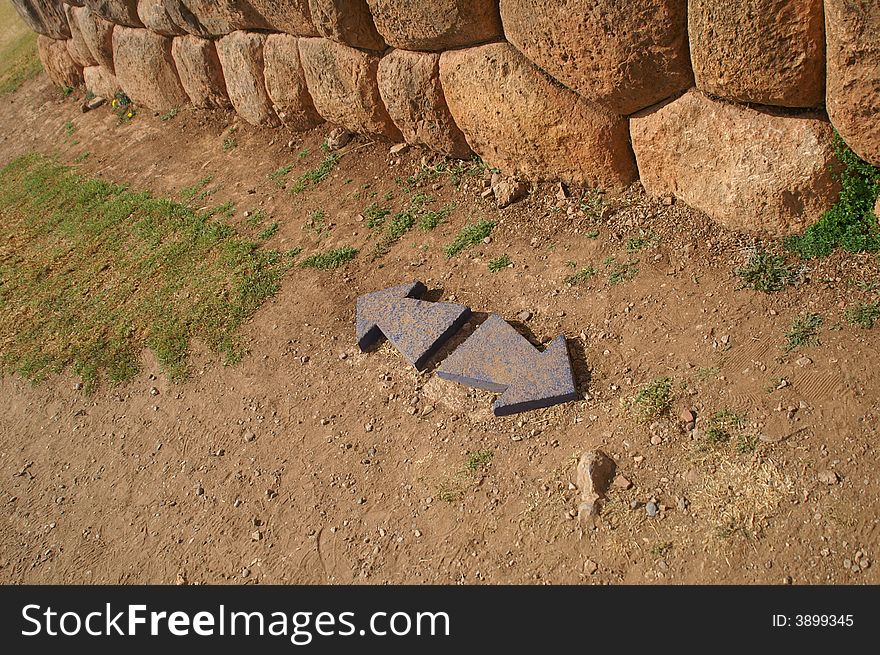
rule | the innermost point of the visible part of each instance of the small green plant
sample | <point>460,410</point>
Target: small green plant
<point>122,106</point>
<point>268,232</point>
<point>707,372</point>
<point>278,175</point>
<point>302,154</point>
<point>469,236</point>
<point>80,158</point>
<point>69,129</point>
<point>592,205</point>
<point>433,219</point>
<point>721,426</point>
<point>332,259</point>
<point>317,222</point>
<point>592,234</point>
<point>499,263</point>
<point>653,400</point>
<point>804,331</point>
<point>580,276</point>
<point>863,314</point>
<point>196,191</point>
<point>621,272</point>
<point>67,91</point>
<point>316,175</point>
<point>635,244</point>
<point>375,215</point>
<point>765,272</point>
<point>294,252</point>
<point>661,549</point>
<point>167,116</point>
<point>256,218</point>
<point>478,459</point>
<point>229,143</point>
<point>849,224</point>
<point>746,444</point>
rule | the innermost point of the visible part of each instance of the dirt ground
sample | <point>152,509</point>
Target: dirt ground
<point>310,462</point>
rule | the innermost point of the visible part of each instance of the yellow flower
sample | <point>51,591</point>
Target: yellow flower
<point>114,103</point>
<point>130,114</point>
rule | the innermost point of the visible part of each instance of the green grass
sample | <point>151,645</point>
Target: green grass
<point>401,223</point>
<point>375,215</point>
<point>804,331</point>
<point>92,273</point>
<point>167,116</point>
<point>477,460</point>
<point>765,272</point>
<point>19,60</point>
<point>653,400</point>
<point>278,175</point>
<point>580,276</point>
<point>850,224</point>
<point>863,314</point>
<point>316,175</point>
<point>620,272</point>
<point>430,220</point>
<point>268,232</point>
<point>469,236</point>
<point>499,263</point>
<point>332,259</point>
<point>635,244</point>
<point>721,426</point>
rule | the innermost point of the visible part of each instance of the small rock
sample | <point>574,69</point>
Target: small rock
<point>507,190</point>
<point>656,440</point>
<point>682,504</point>
<point>668,201</point>
<point>487,240</point>
<point>417,533</point>
<point>338,138</point>
<point>154,391</point>
<point>687,416</point>
<point>829,477</point>
<point>803,361</point>
<point>487,194</point>
<point>181,578</point>
<point>590,567</point>
<point>524,315</point>
<point>621,482</point>
<point>245,572</point>
<point>651,509</point>
<point>200,490</point>
<point>368,427</point>
<point>595,471</point>
<point>94,103</point>
<point>256,535</point>
<point>249,436</point>
<point>427,409</point>
<point>398,148</point>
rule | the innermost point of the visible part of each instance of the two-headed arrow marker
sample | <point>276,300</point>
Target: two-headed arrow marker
<point>416,328</point>
<point>497,358</point>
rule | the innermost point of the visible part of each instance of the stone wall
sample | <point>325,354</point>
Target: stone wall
<point>730,106</point>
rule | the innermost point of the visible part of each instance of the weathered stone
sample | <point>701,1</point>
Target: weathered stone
<point>342,81</point>
<point>507,190</point>
<point>208,18</point>
<point>100,81</point>
<point>119,12</point>
<point>853,95</point>
<point>409,83</point>
<point>44,17</point>
<point>59,65</point>
<point>436,25</point>
<point>290,16</point>
<point>98,36</point>
<point>200,72</point>
<point>747,169</point>
<point>286,83</point>
<point>594,473</point>
<point>521,122</point>
<point>770,52</point>
<point>155,16</point>
<point>621,55</point>
<point>77,45</point>
<point>241,55</point>
<point>145,68</point>
<point>346,21</point>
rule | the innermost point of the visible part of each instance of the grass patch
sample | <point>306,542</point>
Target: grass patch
<point>580,276</point>
<point>278,175</point>
<point>469,236</point>
<point>268,232</point>
<point>863,314</point>
<point>19,60</point>
<point>92,273</point>
<point>499,263</point>
<point>765,272</point>
<point>316,175</point>
<point>721,426</point>
<point>620,272</point>
<point>167,116</point>
<point>401,223</point>
<point>653,400</point>
<point>850,224</point>
<point>330,260</point>
<point>803,332</point>
<point>433,219</point>
<point>375,215</point>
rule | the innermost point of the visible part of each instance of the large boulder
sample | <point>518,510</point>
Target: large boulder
<point>853,95</point>
<point>286,83</point>
<point>45,17</point>
<point>757,171</point>
<point>210,18</point>
<point>436,25</point>
<point>409,83</point>
<point>200,72</point>
<point>78,46</point>
<point>520,121</point>
<point>241,55</point>
<point>145,68</point>
<point>290,16</point>
<point>100,81</point>
<point>98,36</point>
<point>59,65</point>
<point>346,21</point>
<point>155,16</point>
<point>342,81</point>
<point>769,52</point>
<point>119,12</point>
<point>622,55</point>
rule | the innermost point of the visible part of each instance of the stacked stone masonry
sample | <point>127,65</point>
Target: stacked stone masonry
<point>730,106</point>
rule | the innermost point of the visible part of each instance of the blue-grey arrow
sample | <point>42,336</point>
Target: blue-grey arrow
<point>497,358</point>
<point>417,328</point>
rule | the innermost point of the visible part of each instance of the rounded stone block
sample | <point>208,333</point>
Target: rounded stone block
<point>119,12</point>
<point>100,81</point>
<point>346,21</point>
<point>98,36</point>
<point>523,123</point>
<point>211,18</point>
<point>241,56</point>
<point>155,17</point>
<point>78,46</point>
<point>145,68</point>
<point>289,16</point>
<point>286,83</point>
<point>342,81</point>
<point>624,56</point>
<point>756,171</point>
<point>200,72</point>
<point>57,62</point>
<point>436,25</point>
<point>409,83</point>
<point>44,17</point>
<point>768,52</point>
<point>853,93</point>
